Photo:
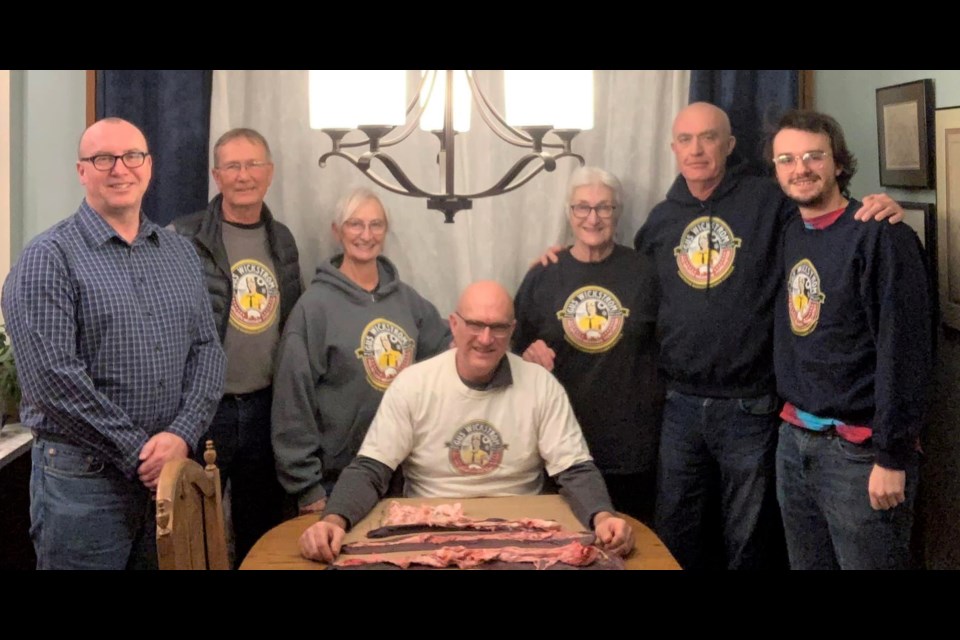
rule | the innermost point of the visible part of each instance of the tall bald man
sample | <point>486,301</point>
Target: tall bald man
<point>118,359</point>
<point>430,411</point>
<point>716,244</point>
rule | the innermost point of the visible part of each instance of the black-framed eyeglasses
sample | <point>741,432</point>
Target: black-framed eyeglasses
<point>497,329</point>
<point>106,161</point>
<point>582,210</point>
<point>810,158</point>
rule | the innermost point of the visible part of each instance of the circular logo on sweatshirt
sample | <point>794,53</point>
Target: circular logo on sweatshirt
<point>706,252</point>
<point>804,297</point>
<point>476,448</point>
<point>385,350</point>
<point>256,297</point>
<point>592,319</point>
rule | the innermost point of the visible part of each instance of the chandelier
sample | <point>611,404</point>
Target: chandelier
<point>537,104</point>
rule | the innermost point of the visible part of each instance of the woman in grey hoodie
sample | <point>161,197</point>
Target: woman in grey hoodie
<point>350,334</point>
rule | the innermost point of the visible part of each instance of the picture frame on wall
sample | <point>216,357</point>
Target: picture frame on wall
<point>948,213</point>
<point>905,135</point>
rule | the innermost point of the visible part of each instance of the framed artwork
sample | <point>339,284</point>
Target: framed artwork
<point>905,134</point>
<point>948,213</point>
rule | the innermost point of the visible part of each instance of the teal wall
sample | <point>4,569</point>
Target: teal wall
<point>850,97</point>
<point>47,116</point>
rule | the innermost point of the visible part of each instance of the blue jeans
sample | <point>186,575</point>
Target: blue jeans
<point>716,505</point>
<point>84,514</point>
<point>241,436</point>
<point>822,488</point>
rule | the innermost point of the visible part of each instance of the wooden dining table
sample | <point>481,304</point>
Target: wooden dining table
<point>278,548</point>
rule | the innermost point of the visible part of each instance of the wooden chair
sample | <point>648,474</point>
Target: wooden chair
<point>190,530</point>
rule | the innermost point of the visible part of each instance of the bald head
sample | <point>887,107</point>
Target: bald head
<point>115,192</point>
<point>108,127</point>
<point>702,114</point>
<point>481,328</point>
<point>487,297</point>
<point>702,143</point>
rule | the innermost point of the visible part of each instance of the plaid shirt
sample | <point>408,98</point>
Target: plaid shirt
<point>114,342</point>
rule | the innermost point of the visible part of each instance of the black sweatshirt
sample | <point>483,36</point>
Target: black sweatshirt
<point>719,269</point>
<point>853,328</point>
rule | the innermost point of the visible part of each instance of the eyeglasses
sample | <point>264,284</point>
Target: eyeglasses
<point>250,166</point>
<point>106,161</point>
<point>377,227</point>
<point>810,159</point>
<point>497,329</point>
<point>583,210</point>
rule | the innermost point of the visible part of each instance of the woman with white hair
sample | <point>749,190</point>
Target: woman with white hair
<point>590,318</point>
<point>350,334</point>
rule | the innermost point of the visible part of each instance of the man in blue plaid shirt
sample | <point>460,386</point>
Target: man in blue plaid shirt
<point>119,361</point>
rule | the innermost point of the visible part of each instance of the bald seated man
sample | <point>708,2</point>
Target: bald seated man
<point>430,415</point>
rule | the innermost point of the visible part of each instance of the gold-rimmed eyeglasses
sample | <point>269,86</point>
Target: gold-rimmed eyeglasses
<point>251,166</point>
<point>355,226</point>
<point>810,159</point>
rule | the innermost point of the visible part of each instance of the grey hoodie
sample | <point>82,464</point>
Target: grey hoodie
<point>341,348</point>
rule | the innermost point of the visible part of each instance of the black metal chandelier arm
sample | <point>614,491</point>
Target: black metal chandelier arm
<point>509,182</point>
<point>406,188</point>
<point>498,123</point>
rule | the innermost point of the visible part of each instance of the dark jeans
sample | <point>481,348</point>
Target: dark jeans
<point>716,504</point>
<point>241,436</point>
<point>822,488</point>
<point>84,514</point>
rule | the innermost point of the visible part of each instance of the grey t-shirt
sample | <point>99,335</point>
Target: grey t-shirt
<point>253,332</point>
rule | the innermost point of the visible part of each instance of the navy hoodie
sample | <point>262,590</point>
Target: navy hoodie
<point>719,267</point>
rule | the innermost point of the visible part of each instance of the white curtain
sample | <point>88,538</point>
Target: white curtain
<point>500,236</point>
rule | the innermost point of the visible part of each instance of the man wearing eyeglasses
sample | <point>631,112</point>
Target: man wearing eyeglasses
<point>852,353</point>
<point>117,357</point>
<point>251,265</point>
<point>716,492</point>
<point>435,408</point>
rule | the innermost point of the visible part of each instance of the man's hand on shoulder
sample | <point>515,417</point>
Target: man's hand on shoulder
<point>322,540</point>
<point>552,255</point>
<point>614,535</point>
<point>879,206</point>
<point>158,450</point>
<point>539,353</point>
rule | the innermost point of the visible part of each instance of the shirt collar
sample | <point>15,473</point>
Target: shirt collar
<point>98,231</point>
<point>502,377</point>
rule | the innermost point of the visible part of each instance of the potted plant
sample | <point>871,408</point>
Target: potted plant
<point>9,385</point>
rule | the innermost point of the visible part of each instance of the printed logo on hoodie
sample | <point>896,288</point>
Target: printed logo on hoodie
<point>706,253</point>
<point>592,319</point>
<point>256,297</point>
<point>476,448</point>
<point>804,297</point>
<point>386,350</point>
